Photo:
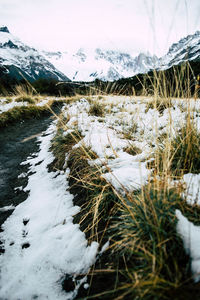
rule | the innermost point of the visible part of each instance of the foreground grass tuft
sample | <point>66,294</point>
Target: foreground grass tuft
<point>132,150</point>
<point>186,151</point>
<point>146,259</point>
<point>96,109</point>
<point>61,145</point>
<point>180,155</point>
<point>159,104</point>
<point>8,100</point>
<point>152,259</point>
<point>92,193</point>
<point>27,99</point>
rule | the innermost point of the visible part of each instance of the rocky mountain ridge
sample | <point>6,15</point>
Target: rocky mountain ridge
<point>100,64</point>
<point>186,49</point>
<point>21,61</point>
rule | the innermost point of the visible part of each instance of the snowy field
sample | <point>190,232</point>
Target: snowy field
<point>6,105</point>
<point>41,242</point>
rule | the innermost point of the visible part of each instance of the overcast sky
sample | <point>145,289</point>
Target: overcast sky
<point>132,25</point>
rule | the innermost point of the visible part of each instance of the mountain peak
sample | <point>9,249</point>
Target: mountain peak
<point>4,29</point>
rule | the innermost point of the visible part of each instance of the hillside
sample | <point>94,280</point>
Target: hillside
<point>19,61</point>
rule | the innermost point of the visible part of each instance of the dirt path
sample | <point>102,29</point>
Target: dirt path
<point>17,142</point>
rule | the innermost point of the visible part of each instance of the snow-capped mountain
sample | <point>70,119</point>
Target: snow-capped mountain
<point>19,60</point>
<point>85,65</point>
<point>112,65</point>
<point>186,49</point>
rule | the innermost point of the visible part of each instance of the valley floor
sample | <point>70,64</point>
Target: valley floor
<point>94,166</point>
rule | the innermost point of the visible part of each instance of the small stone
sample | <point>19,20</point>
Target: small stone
<point>25,245</point>
<point>68,284</point>
<point>25,221</point>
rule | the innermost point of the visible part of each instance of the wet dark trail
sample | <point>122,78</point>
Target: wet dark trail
<point>17,142</point>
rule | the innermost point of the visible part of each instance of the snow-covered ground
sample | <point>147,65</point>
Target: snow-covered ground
<point>107,138</point>
<point>41,242</point>
<point>4,106</point>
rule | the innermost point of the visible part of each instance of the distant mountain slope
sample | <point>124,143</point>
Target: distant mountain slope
<point>107,65</point>
<point>186,49</point>
<point>19,60</point>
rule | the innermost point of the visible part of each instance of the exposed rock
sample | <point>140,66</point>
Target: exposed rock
<point>4,29</point>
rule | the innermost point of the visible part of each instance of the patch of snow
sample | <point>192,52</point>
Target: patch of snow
<point>6,208</point>
<point>20,188</point>
<point>191,239</point>
<point>8,106</point>
<point>192,192</point>
<point>86,286</point>
<point>43,102</point>
<point>105,247</point>
<point>128,177</point>
<point>22,175</point>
